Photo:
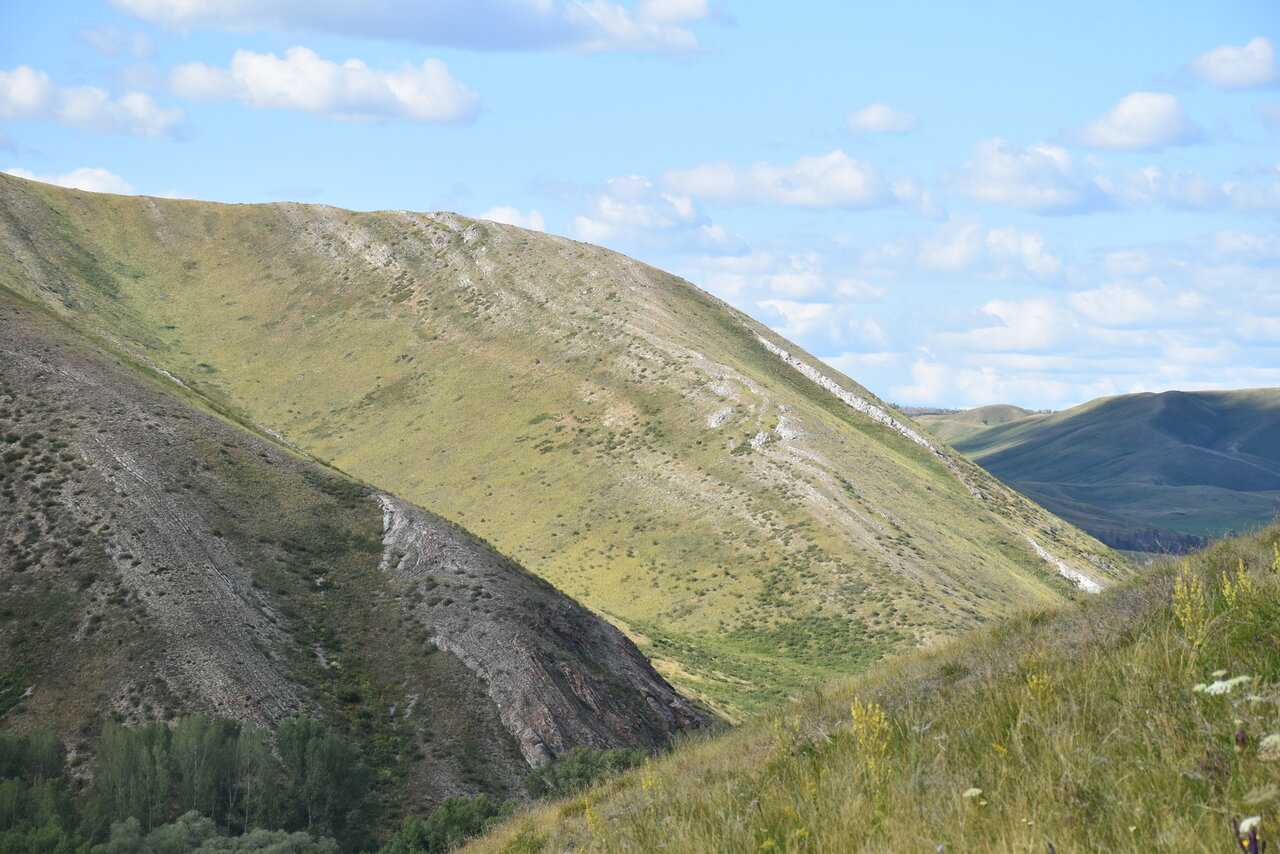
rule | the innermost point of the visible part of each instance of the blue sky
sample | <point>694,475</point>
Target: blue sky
<point>955,204</point>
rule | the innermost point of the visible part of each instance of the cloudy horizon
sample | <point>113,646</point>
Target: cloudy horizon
<point>1019,206</point>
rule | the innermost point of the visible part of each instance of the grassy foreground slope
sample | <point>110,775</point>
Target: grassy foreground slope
<point>1138,721</point>
<point>646,448</point>
<point>1146,471</point>
<point>952,427</point>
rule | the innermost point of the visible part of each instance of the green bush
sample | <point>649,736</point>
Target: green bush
<point>449,825</point>
<point>578,769</point>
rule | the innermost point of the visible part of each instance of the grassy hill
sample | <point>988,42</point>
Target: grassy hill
<point>158,560</point>
<point>1142,720</point>
<point>951,427</point>
<point>1146,471</point>
<point>753,519</point>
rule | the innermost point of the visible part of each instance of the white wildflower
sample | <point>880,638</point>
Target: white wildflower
<point>972,792</point>
<point>1222,686</point>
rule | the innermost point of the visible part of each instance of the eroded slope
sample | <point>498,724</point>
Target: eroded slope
<point>158,560</point>
<point>635,441</point>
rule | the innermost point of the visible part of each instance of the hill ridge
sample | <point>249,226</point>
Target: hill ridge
<point>614,428</point>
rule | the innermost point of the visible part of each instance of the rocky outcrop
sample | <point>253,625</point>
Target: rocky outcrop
<point>560,676</point>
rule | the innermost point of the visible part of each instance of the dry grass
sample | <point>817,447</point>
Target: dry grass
<point>1081,728</point>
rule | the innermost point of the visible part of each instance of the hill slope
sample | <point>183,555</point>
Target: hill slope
<point>754,519</point>
<point>174,563</point>
<point>1104,727</point>
<point>1147,471</point>
<point>951,427</point>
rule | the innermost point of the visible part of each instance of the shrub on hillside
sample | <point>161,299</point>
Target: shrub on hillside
<point>451,823</point>
<point>578,769</point>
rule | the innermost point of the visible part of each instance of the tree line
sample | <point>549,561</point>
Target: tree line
<point>213,777</point>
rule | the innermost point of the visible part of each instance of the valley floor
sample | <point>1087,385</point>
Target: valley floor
<point>1144,720</point>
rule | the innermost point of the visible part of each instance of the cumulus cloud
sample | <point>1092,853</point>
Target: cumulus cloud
<point>93,179</point>
<point>28,93</point>
<point>1039,178</point>
<point>832,180</point>
<point>1245,67</point>
<point>631,208</point>
<point>303,80</point>
<point>1141,121</point>
<point>514,216</point>
<point>586,25</point>
<point>824,324</point>
<point>881,118</point>
<point>1035,324</point>
<point>1136,305</point>
<point>1182,190</point>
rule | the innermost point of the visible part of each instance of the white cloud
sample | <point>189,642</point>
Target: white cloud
<point>1154,186</point>
<point>856,290</point>
<point>970,247</point>
<point>585,25</point>
<point>1245,67</point>
<point>881,118</point>
<point>1145,304</point>
<point>95,180</point>
<point>631,208</point>
<point>826,322</point>
<point>514,216</point>
<point>673,11</point>
<point>1141,121</point>
<point>1245,244</point>
<point>1032,324</point>
<point>303,80</point>
<point>27,93</point>
<point>1022,248</point>
<point>832,180</point>
<point>1040,178</point>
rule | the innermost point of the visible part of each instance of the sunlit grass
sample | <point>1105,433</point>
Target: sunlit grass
<point>1082,728</point>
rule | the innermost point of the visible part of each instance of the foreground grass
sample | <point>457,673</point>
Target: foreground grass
<point>1080,728</point>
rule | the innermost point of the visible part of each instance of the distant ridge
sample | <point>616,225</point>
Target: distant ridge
<point>1147,472</point>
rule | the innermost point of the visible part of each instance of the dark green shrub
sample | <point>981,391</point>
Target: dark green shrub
<point>578,769</point>
<point>450,824</point>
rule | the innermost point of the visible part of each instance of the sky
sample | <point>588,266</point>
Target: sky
<point>955,204</point>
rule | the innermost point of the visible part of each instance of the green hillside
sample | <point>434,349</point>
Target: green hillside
<point>1143,720</point>
<point>755,520</point>
<point>158,561</point>
<point>1146,471</point>
<point>951,427</point>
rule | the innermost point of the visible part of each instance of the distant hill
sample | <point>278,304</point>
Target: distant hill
<point>952,426</point>
<point>752,518</point>
<point>1148,472</point>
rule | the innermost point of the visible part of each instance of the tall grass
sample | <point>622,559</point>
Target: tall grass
<point>1096,728</point>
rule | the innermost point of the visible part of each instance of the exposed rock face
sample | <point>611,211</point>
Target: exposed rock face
<point>114,469</point>
<point>157,559</point>
<point>560,676</point>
